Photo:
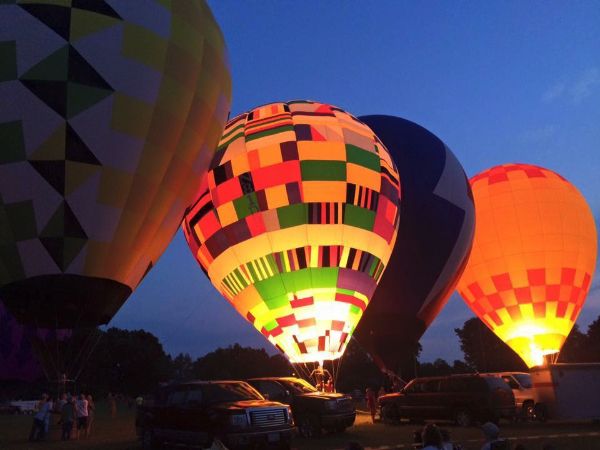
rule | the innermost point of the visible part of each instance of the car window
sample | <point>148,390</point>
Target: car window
<point>467,384</point>
<point>272,389</point>
<point>160,398</point>
<point>229,392</point>
<point>415,387</point>
<point>511,382</point>
<point>177,397</point>
<point>431,386</point>
<point>524,380</point>
<point>446,385</point>
<point>497,383</point>
<point>194,396</point>
<point>458,385</point>
<point>300,386</point>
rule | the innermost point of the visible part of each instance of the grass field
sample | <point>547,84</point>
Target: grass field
<point>119,434</point>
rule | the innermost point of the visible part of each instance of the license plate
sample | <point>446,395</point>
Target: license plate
<point>273,437</point>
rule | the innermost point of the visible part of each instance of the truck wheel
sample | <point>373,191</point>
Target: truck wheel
<point>541,413</point>
<point>389,414</point>
<point>309,427</point>
<point>149,442</point>
<point>528,412</point>
<point>462,417</point>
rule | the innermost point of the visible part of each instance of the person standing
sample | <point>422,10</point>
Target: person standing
<point>371,403</point>
<point>38,428</point>
<point>67,417</point>
<point>91,415</point>
<point>491,433</point>
<point>432,437</point>
<point>81,410</point>
<point>112,403</point>
<point>61,402</point>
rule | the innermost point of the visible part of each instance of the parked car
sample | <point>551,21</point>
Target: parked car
<point>194,413</point>
<point>522,387</point>
<point>464,399</point>
<point>313,410</point>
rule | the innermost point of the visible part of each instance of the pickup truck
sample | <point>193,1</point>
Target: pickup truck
<point>313,410</point>
<point>197,412</point>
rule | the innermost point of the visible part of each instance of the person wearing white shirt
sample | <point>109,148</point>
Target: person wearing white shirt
<point>82,413</point>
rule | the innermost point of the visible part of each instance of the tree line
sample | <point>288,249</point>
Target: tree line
<point>133,362</point>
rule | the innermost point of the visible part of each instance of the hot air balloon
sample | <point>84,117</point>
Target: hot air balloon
<point>297,223</point>
<point>434,240</point>
<point>533,257</point>
<point>107,109</point>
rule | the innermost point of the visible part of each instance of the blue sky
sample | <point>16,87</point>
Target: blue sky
<point>498,81</point>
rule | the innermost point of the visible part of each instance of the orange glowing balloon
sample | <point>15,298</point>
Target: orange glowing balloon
<point>533,257</point>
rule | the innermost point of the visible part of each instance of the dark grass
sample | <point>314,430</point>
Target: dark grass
<point>119,434</point>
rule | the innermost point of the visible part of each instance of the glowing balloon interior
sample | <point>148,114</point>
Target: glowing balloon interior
<point>298,223</point>
<point>533,257</point>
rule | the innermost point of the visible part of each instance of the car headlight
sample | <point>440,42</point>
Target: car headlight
<point>331,405</point>
<point>238,420</point>
<point>290,418</point>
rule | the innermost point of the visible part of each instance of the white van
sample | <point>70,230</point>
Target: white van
<point>522,387</point>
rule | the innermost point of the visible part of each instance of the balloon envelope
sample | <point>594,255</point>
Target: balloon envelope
<point>533,257</point>
<point>298,223</point>
<point>434,240</point>
<point>107,110</point>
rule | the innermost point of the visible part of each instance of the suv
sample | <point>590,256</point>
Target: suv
<point>313,410</point>
<point>462,398</point>
<point>196,412</point>
<point>522,387</point>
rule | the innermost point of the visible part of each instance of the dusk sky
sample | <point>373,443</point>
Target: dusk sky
<point>498,82</point>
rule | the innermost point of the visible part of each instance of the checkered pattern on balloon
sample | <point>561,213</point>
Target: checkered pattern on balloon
<point>297,222</point>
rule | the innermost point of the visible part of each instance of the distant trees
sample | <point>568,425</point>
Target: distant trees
<point>485,352</point>
<point>441,367</point>
<point>134,362</point>
<point>581,347</point>
<point>357,370</point>
<point>238,363</point>
<point>124,361</point>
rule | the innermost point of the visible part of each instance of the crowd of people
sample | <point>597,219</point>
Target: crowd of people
<point>74,414</point>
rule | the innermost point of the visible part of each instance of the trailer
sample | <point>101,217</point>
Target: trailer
<point>567,391</point>
<point>25,406</point>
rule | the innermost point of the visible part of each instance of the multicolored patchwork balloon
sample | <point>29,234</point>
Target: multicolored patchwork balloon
<point>533,257</point>
<point>107,109</point>
<point>297,223</point>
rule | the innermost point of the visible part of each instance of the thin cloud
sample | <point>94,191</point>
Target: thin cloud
<point>554,92</point>
<point>576,89</point>
<point>540,134</point>
<point>585,85</point>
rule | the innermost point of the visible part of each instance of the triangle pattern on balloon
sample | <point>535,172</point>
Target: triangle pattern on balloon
<point>66,82</point>
<point>54,160</point>
<point>69,21</point>
<point>85,22</point>
<point>55,17</point>
<point>63,236</point>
